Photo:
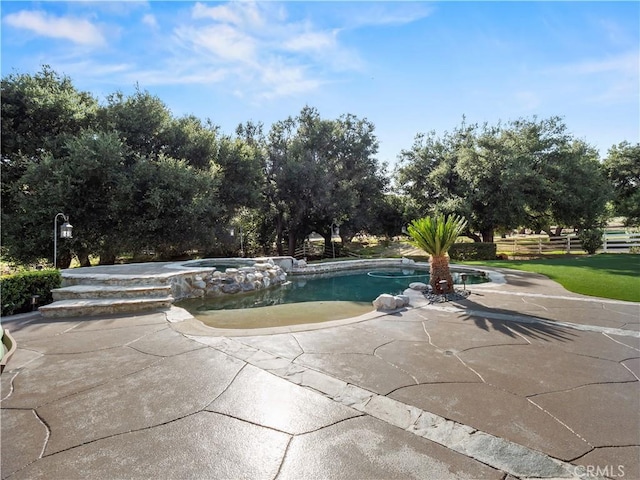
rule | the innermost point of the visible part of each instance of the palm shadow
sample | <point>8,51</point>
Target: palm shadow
<point>512,323</point>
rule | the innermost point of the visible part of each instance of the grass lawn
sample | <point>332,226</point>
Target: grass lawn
<point>608,275</point>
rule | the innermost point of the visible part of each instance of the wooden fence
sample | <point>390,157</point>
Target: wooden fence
<point>620,242</point>
<point>611,242</point>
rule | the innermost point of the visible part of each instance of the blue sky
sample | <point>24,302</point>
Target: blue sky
<point>408,67</point>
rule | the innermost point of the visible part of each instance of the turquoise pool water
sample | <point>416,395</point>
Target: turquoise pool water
<point>352,286</point>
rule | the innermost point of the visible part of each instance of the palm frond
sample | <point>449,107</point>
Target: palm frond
<point>435,235</point>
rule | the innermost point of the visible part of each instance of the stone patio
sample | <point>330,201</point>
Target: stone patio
<point>520,380</point>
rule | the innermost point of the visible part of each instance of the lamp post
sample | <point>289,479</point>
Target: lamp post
<point>232,232</point>
<point>66,230</point>
<point>335,231</point>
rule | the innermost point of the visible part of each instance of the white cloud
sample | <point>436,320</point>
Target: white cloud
<point>88,68</point>
<point>312,41</point>
<point>254,50</point>
<point>240,14</point>
<point>150,20</point>
<point>627,63</point>
<point>378,14</point>
<point>223,41</point>
<point>265,52</point>
<point>283,80</point>
<point>607,80</point>
<point>77,30</point>
<point>177,77</point>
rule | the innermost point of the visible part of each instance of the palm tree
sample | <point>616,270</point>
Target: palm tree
<point>435,235</point>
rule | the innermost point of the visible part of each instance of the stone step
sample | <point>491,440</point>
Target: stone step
<point>70,279</point>
<point>110,291</point>
<point>103,306</point>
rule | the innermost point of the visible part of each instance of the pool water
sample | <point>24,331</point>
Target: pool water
<point>353,286</point>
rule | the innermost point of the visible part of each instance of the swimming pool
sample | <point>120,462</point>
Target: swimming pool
<point>359,286</point>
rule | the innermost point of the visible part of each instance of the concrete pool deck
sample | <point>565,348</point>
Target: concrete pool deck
<point>520,380</point>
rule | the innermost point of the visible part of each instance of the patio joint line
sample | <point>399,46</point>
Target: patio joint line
<point>631,371</point>
<point>11,386</point>
<point>560,422</point>
<point>619,342</point>
<point>46,427</point>
<point>284,457</point>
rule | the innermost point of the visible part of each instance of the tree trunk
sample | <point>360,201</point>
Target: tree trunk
<point>83,257</point>
<point>64,259</point>
<point>279,234</point>
<point>473,237</point>
<point>292,244</point>
<point>328,238</point>
<point>439,270</point>
<point>487,235</point>
<point>107,258</point>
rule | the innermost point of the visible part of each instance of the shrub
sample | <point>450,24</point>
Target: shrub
<point>591,239</point>
<point>473,251</point>
<point>16,290</point>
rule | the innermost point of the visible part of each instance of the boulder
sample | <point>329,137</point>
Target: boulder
<point>421,287</point>
<point>402,301</point>
<point>231,288</point>
<point>390,302</point>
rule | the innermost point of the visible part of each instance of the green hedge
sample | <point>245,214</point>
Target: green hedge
<point>16,290</point>
<point>473,251</point>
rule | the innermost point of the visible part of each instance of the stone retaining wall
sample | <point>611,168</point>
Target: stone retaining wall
<point>300,267</point>
<point>214,283</point>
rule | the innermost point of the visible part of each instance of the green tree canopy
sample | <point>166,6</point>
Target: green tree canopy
<point>40,114</point>
<point>321,173</point>
<point>142,121</point>
<point>85,183</point>
<point>109,168</point>
<point>622,167</point>
<point>520,174</point>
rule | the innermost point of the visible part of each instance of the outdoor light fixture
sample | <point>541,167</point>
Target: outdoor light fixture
<point>232,232</point>
<point>66,230</point>
<point>442,285</point>
<point>35,299</point>
<point>463,277</point>
<point>334,229</point>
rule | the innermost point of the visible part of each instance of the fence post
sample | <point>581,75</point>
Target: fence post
<point>604,241</point>
<point>568,244</point>
<point>539,246</point>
